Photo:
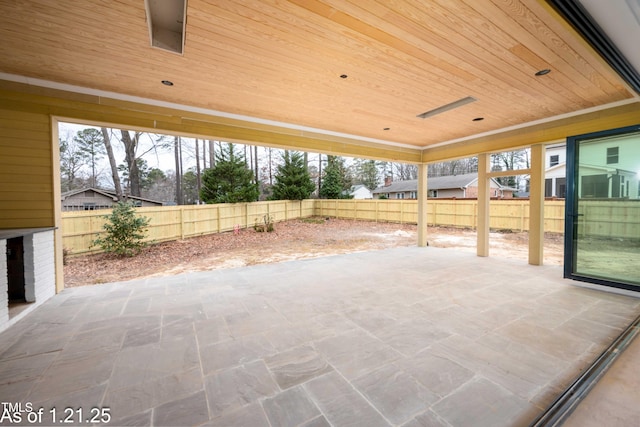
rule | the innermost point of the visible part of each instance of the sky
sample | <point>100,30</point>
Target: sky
<point>163,160</point>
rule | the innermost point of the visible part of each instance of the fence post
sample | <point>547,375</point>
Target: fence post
<point>435,213</point>
<point>218,217</point>
<point>181,210</point>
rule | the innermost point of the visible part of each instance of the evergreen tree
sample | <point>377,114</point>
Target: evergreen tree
<point>91,143</point>
<point>337,179</point>
<point>190,187</point>
<point>367,174</point>
<point>124,231</point>
<point>229,181</point>
<point>293,181</point>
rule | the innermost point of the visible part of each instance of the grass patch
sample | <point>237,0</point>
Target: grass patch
<point>313,220</point>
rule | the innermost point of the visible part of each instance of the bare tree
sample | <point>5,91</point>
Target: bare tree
<point>112,163</point>
<point>204,154</point>
<point>319,173</point>
<point>178,159</point>
<point>212,153</point>
<point>72,160</point>
<point>271,168</point>
<point>255,163</point>
<point>198,175</point>
<point>130,149</point>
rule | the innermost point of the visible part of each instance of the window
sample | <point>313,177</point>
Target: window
<point>554,160</point>
<point>561,187</point>
<point>548,187</point>
<point>399,195</point>
<point>433,193</point>
<point>414,195</point>
<point>612,155</point>
<point>595,186</point>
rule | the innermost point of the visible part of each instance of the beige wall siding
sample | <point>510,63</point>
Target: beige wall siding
<point>26,170</point>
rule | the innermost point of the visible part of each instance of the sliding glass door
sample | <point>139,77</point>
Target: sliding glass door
<point>602,229</point>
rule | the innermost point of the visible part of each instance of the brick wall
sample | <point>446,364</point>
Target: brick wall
<point>39,274</point>
<point>39,267</point>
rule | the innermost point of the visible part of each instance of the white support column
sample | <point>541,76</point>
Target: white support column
<point>484,197</point>
<point>536,205</point>
<point>422,204</point>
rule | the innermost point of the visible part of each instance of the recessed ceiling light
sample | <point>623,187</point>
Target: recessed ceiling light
<point>343,76</point>
<point>386,129</point>
<point>478,119</point>
<point>543,72</point>
<point>167,82</point>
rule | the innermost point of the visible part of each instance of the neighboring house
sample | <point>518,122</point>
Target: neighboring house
<point>360,192</point>
<point>606,171</point>
<point>88,199</point>
<point>555,173</point>
<point>458,186</point>
<point>609,170</point>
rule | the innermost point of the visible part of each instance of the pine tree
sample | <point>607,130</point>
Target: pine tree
<point>229,181</point>
<point>337,179</point>
<point>91,143</point>
<point>293,181</point>
<point>367,173</point>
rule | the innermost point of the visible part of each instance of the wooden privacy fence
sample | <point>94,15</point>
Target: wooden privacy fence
<point>505,214</point>
<point>609,218</point>
<point>180,222</point>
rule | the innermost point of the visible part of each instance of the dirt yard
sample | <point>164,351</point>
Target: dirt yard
<point>296,239</point>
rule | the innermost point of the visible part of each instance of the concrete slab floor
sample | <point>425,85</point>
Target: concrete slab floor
<point>402,337</point>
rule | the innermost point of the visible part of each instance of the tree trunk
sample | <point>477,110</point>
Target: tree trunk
<point>270,168</point>
<point>112,162</point>
<point>204,154</point>
<point>319,173</point>
<point>212,153</point>
<point>130,148</point>
<point>198,176</point>
<point>176,152</point>
<point>255,162</point>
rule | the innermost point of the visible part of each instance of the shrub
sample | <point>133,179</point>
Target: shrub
<point>267,225</point>
<point>124,231</point>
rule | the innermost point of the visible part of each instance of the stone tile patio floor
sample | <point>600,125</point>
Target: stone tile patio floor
<point>403,337</point>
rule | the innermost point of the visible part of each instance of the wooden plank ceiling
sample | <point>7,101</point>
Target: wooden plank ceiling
<point>282,60</point>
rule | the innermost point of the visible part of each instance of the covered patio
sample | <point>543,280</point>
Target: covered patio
<point>415,336</point>
<point>409,336</point>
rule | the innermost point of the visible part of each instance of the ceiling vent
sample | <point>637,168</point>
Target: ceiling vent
<point>167,21</point>
<point>451,106</point>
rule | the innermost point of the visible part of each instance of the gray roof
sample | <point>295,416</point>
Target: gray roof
<point>433,183</point>
<point>107,193</point>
